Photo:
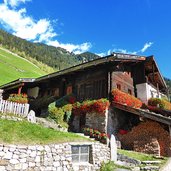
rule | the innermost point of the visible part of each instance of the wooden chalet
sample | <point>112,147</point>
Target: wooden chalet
<point>136,75</point>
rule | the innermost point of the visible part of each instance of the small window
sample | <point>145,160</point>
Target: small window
<point>80,153</point>
<point>69,90</point>
<point>130,91</point>
<point>118,86</point>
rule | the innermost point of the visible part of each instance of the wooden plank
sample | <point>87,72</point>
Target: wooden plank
<point>170,130</point>
<point>143,113</point>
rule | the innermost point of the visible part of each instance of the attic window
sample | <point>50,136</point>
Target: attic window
<point>80,153</point>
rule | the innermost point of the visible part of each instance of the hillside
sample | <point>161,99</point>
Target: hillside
<point>168,82</point>
<point>57,58</point>
<point>87,56</point>
<point>14,67</point>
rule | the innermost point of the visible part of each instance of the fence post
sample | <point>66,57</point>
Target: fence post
<point>113,148</point>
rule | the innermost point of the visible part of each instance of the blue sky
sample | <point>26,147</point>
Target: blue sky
<point>100,26</point>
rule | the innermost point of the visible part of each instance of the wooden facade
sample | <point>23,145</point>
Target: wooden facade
<point>91,80</point>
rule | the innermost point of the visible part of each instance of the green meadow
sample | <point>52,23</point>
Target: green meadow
<point>13,67</point>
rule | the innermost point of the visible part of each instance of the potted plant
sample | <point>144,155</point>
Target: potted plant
<point>97,134</point>
<point>87,131</point>
<point>91,133</point>
<point>103,138</point>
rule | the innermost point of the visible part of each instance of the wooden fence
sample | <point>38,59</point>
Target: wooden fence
<point>14,108</point>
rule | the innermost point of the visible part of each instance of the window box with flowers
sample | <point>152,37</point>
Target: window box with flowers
<point>18,98</point>
<point>125,99</point>
<point>90,106</point>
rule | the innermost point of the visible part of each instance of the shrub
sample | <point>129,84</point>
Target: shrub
<point>124,98</point>
<point>57,114</point>
<point>108,166</point>
<point>18,98</point>
<point>104,136</point>
<point>161,103</point>
<point>61,115</point>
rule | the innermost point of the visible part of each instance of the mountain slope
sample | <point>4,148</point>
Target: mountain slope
<point>57,58</point>
<point>87,56</point>
<point>13,67</point>
<point>168,82</point>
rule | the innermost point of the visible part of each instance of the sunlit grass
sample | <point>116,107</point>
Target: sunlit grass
<point>22,132</point>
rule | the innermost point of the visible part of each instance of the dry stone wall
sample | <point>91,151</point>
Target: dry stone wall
<point>57,157</point>
<point>97,121</point>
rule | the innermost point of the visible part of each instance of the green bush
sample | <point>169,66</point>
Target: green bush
<point>61,115</point>
<point>161,103</point>
<point>108,166</point>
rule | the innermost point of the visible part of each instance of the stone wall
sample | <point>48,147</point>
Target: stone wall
<point>75,125</point>
<point>97,121</point>
<point>57,157</point>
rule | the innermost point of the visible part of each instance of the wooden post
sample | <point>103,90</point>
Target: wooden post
<point>19,89</point>
<point>170,130</point>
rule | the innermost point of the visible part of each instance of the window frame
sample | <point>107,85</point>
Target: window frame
<point>79,154</point>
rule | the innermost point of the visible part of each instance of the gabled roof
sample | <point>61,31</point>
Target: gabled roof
<point>114,57</point>
<point>154,73</point>
<point>100,61</point>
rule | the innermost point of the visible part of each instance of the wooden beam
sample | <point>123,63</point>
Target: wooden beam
<point>170,130</point>
<point>143,113</point>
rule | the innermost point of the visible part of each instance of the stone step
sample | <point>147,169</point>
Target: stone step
<point>151,162</point>
<point>81,134</point>
<point>149,168</point>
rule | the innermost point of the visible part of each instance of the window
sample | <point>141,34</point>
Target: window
<point>118,86</point>
<point>130,91</point>
<point>80,153</point>
<point>69,90</point>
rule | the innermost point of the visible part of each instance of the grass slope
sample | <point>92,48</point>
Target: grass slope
<point>27,133</point>
<point>13,67</point>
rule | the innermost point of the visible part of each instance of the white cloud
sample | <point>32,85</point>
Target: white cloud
<point>120,50</point>
<point>77,49</point>
<point>26,27</point>
<point>14,3</point>
<point>146,46</point>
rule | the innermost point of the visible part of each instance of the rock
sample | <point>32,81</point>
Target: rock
<point>8,155</point>
<point>3,162</point>
<point>150,168</point>
<point>2,168</point>
<point>151,162</point>
<point>14,161</point>
<point>31,117</point>
<point>2,154</point>
<point>24,166</point>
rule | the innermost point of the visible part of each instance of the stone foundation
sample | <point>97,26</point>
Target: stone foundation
<point>57,157</point>
<point>97,121</point>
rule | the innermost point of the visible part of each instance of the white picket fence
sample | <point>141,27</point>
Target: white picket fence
<point>14,108</point>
